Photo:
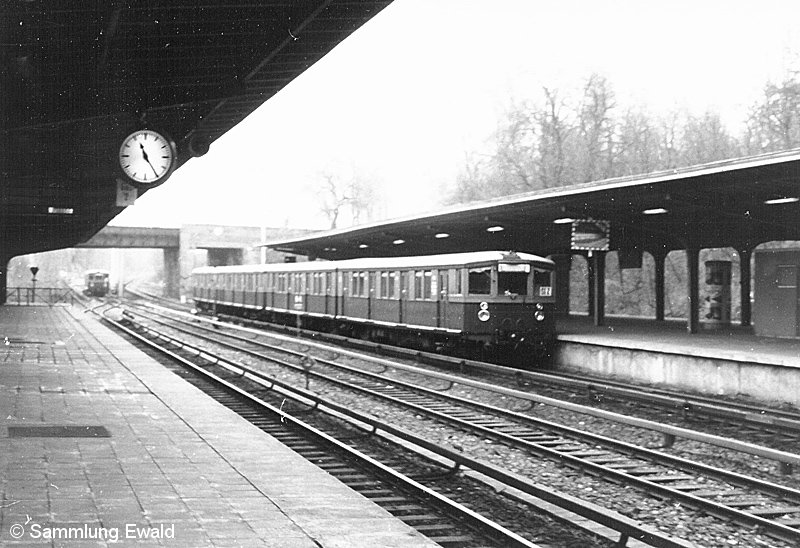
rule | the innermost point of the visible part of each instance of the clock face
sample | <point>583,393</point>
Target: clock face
<point>147,157</point>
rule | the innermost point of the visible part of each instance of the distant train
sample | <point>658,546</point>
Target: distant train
<point>97,283</point>
<point>488,300</point>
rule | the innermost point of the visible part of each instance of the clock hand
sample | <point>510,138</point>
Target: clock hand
<point>146,159</point>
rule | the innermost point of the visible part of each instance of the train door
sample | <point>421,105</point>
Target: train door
<point>340,293</point>
<point>441,297</point>
<point>402,295</point>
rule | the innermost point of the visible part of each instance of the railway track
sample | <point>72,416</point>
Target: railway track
<point>769,426</point>
<point>765,426</point>
<point>377,471</point>
<point>443,479</point>
<point>773,508</point>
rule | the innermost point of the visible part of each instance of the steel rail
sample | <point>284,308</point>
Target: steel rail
<point>625,526</point>
<point>663,458</point>
<point>423,491</point>
<point>678,432</point>
<point>715,508</point>
<point>747,414</point>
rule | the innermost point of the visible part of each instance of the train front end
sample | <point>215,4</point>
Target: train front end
<point>516,316</point>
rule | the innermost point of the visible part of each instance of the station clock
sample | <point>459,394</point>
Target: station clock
<point>147,157</point>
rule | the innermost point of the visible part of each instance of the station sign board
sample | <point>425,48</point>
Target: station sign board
<point>591,235</point>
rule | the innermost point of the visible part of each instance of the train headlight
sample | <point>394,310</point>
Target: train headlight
<point>539,315</point>
<point>483,315</point>
<point>539,306</point>
<point>484,305</point>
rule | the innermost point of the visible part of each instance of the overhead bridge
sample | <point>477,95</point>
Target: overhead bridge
<point>135,237</point>
<point>194,245</point>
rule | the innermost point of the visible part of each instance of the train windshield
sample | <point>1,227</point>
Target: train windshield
<point>480,280</point>
<point>513,278</point>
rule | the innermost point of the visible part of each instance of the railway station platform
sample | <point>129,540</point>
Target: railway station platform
<point>102,446</point>
<point>719,360</point>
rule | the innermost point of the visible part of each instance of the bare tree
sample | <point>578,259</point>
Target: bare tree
<point>333,198</point>
<point>639,145</point>
<point>363,199</point>
<point>553,131</point>
<point>596,129</point>
<point>350,198</point>
<point>705,139</point>
<point>774,123</point>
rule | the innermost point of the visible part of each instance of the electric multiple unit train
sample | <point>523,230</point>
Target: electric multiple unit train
<point>487,300</point>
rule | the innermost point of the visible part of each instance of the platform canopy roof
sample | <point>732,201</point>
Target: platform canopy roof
<point>76,76</point>
<point>734,203</point>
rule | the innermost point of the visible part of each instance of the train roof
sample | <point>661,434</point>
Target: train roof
<point>420,261</point>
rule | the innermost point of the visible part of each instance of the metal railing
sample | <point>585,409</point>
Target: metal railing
<point>35,296</point>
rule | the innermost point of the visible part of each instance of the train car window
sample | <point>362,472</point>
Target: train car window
<point>480,280</point>
<point>512,278</point>
<point>392,284</point>
<point>329,283</point>
<point>543,282</point>
<point>362,284</point>
<point>417,284</point>
<point>458,282</point>
<point>384,286</point>
<point>354,283</point>
<point>541,277</point>
<point>427,284</point>
<point>404,281</point>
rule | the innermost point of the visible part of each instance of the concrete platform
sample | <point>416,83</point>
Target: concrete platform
<point>178,468</point>
<point>727,360</point>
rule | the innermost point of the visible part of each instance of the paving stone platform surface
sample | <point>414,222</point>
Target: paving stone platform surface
<point>177,468</point>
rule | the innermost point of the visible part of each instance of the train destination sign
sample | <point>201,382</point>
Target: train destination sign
<point>591,235</point>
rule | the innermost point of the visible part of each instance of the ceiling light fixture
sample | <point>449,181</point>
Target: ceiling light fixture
<point>784,200</point>
<point>363,246</point>
<point>496,228</point>
<point>441,235</point>
<point>563,221</point>
<point>655,211</point>
<point>399,241</point>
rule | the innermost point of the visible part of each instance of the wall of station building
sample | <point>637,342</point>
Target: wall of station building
<point>776,309</point>
<point>217,245</point>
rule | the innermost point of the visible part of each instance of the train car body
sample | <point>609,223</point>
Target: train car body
<point>487,299</point>
<point>97,283</point>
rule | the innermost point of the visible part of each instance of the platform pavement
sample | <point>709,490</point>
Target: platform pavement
<point>723,361</point>
<point>730,342</point>
<point>177,464</point>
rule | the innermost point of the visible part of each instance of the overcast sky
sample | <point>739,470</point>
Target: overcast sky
<point>401,100</point>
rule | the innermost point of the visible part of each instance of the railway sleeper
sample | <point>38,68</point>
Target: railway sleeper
<point>745,503</point>
<point>420,519</point>
<point>774,512</point>
<point>666,478</point>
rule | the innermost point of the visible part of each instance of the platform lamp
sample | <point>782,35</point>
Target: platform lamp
<point>34,271</point>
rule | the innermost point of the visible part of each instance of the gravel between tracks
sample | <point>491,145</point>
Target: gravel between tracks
<point>668,516</point>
